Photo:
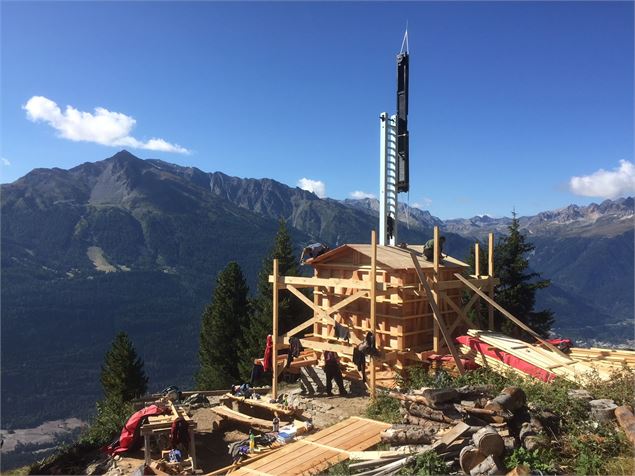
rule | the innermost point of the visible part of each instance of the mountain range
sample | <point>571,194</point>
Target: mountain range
<point>135,245</point>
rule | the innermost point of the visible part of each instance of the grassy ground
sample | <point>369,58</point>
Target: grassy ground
<point>581,447</point>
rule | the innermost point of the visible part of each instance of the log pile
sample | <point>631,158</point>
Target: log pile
<point>478,425</point>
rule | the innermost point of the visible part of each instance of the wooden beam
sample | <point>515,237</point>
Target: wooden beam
<point>274,380</point>
<point>437,315</point>
<point>459,311</point>
<point>373,303</point>
<point>300,281</point>
<point>302,326</point>
<point>322,346</point>
<point>455,284</point>
<point>490,273</point>
<point>435,261</point>
<point>477,260</point>
<point>511,317</point>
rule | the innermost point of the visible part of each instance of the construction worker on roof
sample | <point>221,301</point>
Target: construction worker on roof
<point>428,248</point>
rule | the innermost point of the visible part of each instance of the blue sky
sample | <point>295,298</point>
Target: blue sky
<point>509,100</point>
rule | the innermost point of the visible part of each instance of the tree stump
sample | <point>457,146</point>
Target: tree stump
<point>488,441</point>
<point>469,457</point>
<point>602,410</point>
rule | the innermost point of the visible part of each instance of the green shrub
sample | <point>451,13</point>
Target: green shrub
<point>537,460</point>
<point>111,416</point>
<point>340,469</point>
<point>590,446</point>
<point>425,464</point>
<point>620,386</point>
<point>384,408</point>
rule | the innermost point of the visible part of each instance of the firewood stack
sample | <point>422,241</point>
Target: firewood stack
<point>496,424</point>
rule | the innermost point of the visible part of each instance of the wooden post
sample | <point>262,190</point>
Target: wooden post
<point>477,260</point>
<point>192,448</point>
<point>436,341</point>
<point>490,273</point>
<point>146,447</point>
<point>274,357</point>
<point>373,316</point>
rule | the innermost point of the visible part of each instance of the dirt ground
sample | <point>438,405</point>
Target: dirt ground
<point>211,444</point>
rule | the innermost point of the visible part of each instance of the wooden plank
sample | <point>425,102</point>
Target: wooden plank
<point>299,281</point>
<point>490,272</point>
<point>259,423</point>
<point>451,435</point>
<point>477,260</point>
<point>456,284</point>
<point>272,407</point>
<point>438,317</point>
<point>432,297</point>
<point>509,316</point>
<point>373,304</point>
<point>459,312</point>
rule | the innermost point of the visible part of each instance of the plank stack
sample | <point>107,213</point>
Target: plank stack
<point>504,354</point>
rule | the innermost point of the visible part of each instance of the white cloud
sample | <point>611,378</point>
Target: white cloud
<point>316,186</point>
<point>5,161</point>
<point>358,194</point>
<point>102,127</point>
<point>423,204</point>
<point>606,183</point>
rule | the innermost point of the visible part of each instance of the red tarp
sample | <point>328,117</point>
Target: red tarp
<point>519,364</point>
<point>130,434</point>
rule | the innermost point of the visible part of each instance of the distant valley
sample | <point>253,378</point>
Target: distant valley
<point>135,245</point>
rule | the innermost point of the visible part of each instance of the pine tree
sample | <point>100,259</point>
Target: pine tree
<point>291,311</point>
<point>517,289</point>
<point>122,379</point>
<point>221,330</point>
<point>122,374</point>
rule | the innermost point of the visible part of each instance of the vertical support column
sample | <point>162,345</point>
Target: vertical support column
<point>146,447</point>
<point>192,448</point>
<point>490,273</point>
<point>436,341</point>
<point>274,357</point>
<point>373,303</point>
<point>387,178</point>
<point>477,260</point>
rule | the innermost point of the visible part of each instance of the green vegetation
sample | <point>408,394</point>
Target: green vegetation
<point>221,328</point>
<point>384,408</point>
<point>517,289</point>
<point>122,375</point>
<point>426,464</point>
<point>291,311</point>
<point>538,460</point>
<point>580,447</point>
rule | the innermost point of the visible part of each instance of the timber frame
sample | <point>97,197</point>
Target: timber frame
<point>413,307</point>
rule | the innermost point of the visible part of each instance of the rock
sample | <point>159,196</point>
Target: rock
<point>602,410</point>
<point>550,421</point>
<point>580,394</point>
<point>534,442</point>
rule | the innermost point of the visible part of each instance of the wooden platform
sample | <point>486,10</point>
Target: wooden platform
<point>317,452</point>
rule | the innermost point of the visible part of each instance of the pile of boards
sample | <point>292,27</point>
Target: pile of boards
<point>506,354</point>
<point>469,424</point>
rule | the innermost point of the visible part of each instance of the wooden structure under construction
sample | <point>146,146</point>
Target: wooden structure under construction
<point>414,307</point>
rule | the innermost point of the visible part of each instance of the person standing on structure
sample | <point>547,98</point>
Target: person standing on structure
<point>332,370</point>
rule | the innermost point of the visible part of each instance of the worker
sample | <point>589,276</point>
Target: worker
<point>428,248</point>
<point>332,371</point>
